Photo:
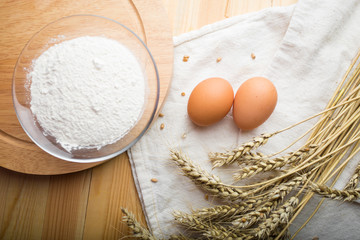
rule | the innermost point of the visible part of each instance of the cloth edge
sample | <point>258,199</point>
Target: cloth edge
<point>223,24</point>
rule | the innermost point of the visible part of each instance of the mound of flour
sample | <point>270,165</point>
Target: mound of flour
<point>86,92</point>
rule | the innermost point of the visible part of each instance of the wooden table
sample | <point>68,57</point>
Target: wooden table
<point>86,204</point>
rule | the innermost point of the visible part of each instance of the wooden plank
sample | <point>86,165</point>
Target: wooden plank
<point>25,198</point>
<point>276,3</point>
<point>66,206</point>
<point>4,186</point>
<point>35,207</point>
<point>112,187</point>
<point>188,15</point>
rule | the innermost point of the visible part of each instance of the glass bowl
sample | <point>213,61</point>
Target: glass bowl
<point>69,28</point>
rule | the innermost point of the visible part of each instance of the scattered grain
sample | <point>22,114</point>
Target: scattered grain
<point>253,56</point>
<point>218,59</point>
<point>161,114</point>
<point>183,94</point>
<point>154,180</point>
<point>162,126</point>
<point>185,58</point>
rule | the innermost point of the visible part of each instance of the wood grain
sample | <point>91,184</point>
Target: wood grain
<point>188,15</point>
<point>66,206</point>
<point>112,188</point>
<point>25,199</point>
<point>86,205</point>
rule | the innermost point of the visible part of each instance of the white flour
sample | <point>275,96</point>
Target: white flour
<point>87,92</point>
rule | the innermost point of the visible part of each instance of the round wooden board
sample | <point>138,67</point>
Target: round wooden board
<point>21,19</point>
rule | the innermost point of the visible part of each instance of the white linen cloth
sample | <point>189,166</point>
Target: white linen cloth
<point>304,50</point>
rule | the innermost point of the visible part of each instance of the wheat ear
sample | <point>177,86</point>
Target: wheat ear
<point>253,217</point>
<point>230,212</point>
<point>138,230</point>
<point>274,198</point>
<point>209,183</point>
<point>282,190</point>
<point>281,216</point>
<point>345,195</point>
<point>354,180</point>
<point>227,158</point>
<point>250,158</point>
<point>268,164</point>
<point>207,228</point>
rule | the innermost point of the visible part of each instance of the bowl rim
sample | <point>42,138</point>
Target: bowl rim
<point>109,156</point>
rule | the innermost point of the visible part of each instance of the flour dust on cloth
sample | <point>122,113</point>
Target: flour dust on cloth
<point>304,50</point>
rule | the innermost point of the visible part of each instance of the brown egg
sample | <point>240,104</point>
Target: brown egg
<point>254,102</point>
<point>210,101</point>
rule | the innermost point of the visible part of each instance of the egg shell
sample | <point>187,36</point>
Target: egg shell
<point>210,101</point>
<point>255,100</point>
